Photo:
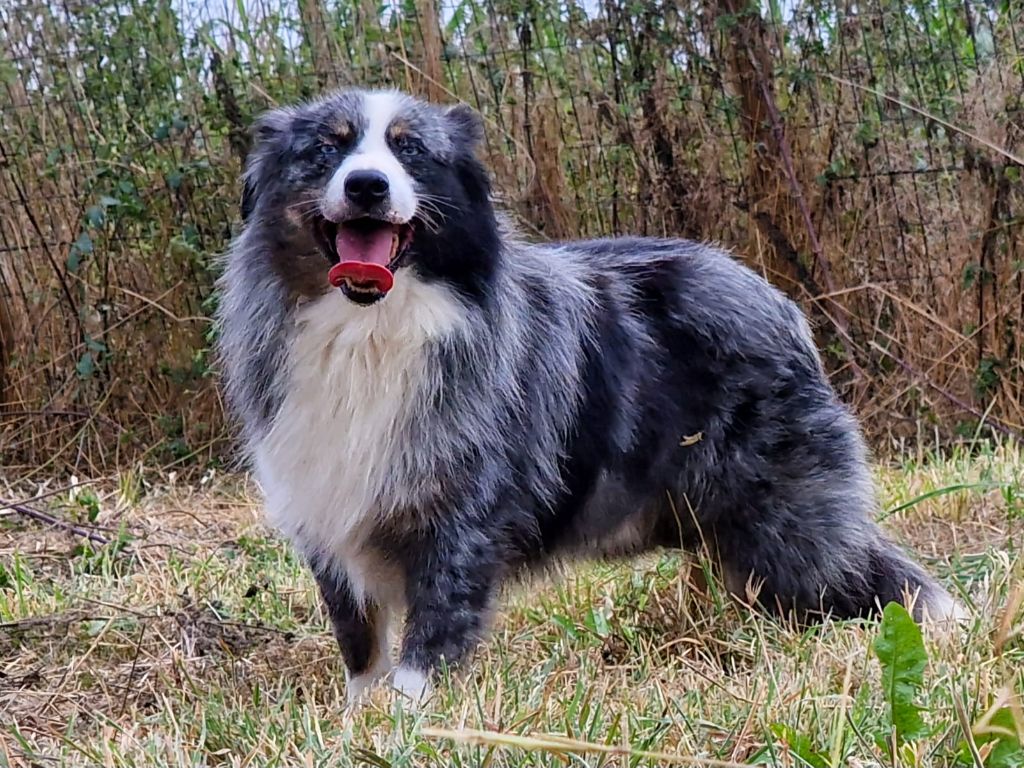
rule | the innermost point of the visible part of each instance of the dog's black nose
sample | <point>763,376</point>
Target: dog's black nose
<point>366,188</point>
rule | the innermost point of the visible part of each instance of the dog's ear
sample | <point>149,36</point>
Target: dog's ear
<point>466,125</point>
<point>267,130</point>
<point>248,197</point>
<point>271,125</point>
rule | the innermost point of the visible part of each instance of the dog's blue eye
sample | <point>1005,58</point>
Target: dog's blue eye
<point>328,149</point>
<point>409,147</point>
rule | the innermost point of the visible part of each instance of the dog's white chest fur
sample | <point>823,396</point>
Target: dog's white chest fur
<point>356,376</point>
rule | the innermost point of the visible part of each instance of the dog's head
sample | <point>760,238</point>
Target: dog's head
<point>355,186</point>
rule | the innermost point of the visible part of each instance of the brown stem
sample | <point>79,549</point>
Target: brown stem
<point>948,395</point>
<point>779,132</point>
<point>56,522</point>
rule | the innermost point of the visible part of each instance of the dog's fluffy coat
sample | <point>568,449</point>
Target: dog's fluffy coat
<point>509,402</point>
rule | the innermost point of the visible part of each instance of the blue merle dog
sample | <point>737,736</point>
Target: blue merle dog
<point>505,404</point>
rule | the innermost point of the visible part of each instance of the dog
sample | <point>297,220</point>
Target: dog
<point>433,405</point>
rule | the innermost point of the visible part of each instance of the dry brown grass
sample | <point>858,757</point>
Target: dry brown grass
<point>702,125</point>
<point>201,641</point>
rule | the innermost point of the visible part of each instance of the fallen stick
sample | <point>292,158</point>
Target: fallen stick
<point>56,522</point>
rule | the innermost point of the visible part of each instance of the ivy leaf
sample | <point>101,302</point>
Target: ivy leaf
<point>83,244</point>
<point>86,366</point>
<point>900,649</point>
<point>95,346</point>
<point>81,247</point>
<point>94,215</point>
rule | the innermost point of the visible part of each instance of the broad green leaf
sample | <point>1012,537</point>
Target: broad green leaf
<point>597,623</point>
<point>566,624</point>
<point>900,649</point>
<point>1007,752</point>
<point>799,746</point>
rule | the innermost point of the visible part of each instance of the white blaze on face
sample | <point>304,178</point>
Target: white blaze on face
<point>372,153</point>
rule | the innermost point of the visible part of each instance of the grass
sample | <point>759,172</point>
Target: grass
<point>861,162</point>
<point>195,638</point>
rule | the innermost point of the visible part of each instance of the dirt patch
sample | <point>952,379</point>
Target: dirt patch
<point>204,632</point>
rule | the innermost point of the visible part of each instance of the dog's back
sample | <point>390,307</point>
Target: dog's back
<point>704,416</point>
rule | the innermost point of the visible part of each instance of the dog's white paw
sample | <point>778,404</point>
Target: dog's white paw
<point>412,684</point>
<point>945,616</point>
<point>357,687</point>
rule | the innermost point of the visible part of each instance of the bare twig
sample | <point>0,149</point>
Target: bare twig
<point>131,672</point>
<point>779,130</point>
<point>155,304</point>
<point>562,745</point>
<point>962,131</point>
<point>963,404</point>
<point>56,522</point>
<point>64,287</point>
<point>965,726</point>
<point>49,494</point>
<point>6,414</point>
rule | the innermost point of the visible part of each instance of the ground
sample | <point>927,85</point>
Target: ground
<point>194,637</point>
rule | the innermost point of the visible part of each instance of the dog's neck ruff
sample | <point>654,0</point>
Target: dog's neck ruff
<point>331,464</point>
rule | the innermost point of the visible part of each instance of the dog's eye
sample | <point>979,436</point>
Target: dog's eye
<point>327,149</point>
<point>409,147</point>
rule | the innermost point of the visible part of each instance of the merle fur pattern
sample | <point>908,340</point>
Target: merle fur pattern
<point>547,401</point>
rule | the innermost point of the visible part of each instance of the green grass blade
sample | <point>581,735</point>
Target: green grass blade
<point>935,492</point>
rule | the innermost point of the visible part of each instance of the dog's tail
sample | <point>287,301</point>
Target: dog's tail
<point>893,577</point>
<point>849,575</point>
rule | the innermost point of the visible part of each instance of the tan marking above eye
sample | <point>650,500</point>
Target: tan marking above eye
<point>398,129</point>
<point>343,130</point>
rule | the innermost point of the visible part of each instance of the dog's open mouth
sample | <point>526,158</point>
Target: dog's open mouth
<point>364,253</point>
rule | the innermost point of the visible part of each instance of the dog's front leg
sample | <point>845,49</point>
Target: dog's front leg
<point>449,589</point>
<point>361,632</point>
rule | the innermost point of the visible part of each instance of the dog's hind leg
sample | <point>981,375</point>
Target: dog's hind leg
<point>361,632</point>
<point>815,566</point>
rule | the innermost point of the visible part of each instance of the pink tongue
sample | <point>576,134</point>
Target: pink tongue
<point>372,247</point>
